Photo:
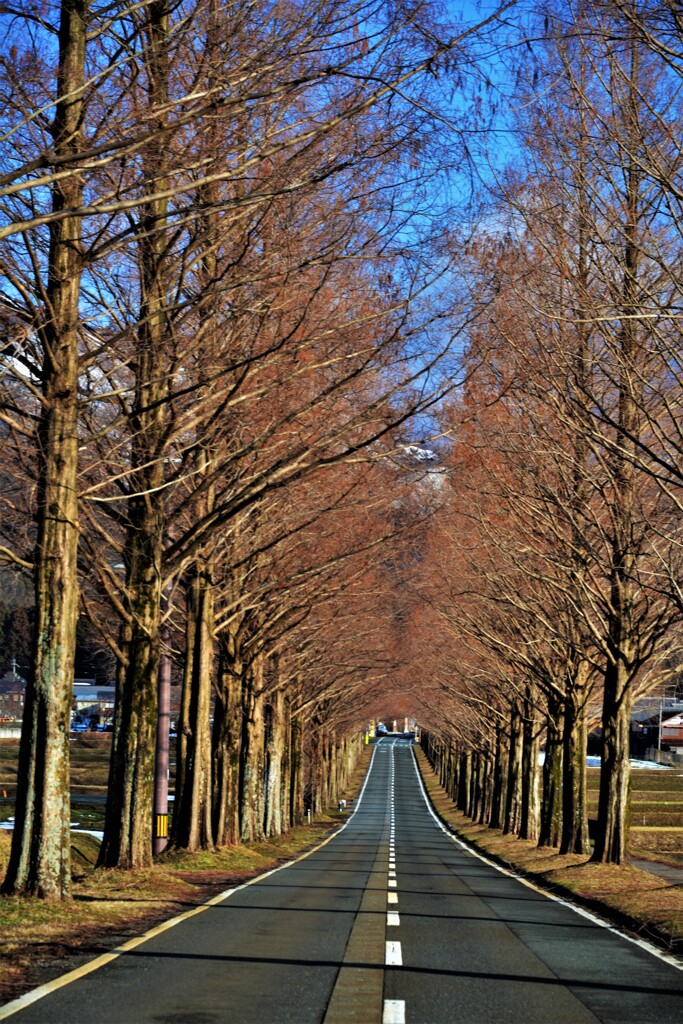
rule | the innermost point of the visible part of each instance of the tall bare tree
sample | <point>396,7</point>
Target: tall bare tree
<point>39,861</point>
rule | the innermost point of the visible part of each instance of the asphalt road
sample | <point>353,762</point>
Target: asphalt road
<point>390,921</point>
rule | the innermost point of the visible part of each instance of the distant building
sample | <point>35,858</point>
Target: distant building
<point>12,695</point>
<point>93,701</point>
<point>89,699</point>
<point>672,731</point>
<point>651,715</point>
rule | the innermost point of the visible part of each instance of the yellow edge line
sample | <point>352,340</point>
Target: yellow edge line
<point>80,972</point>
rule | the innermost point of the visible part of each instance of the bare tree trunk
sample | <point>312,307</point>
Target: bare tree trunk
<point>513,799</point>
<point>615,770</point>
<point>574,794</point>
<point>194,813</point>
<point>612,830</point>
<point>316,769</point>
<point>252,754</point>
<point>128,821</point>
<point>275,744</point>
<point>551,801</point>
<point>192,824</point>
<point>331,794</point>
<point>39,861</point>
<point>500,766</point>
<point>529,811</point>
<point>227,741</point>
<point>453,780</point>
<point>486,787</point>
<point>464,777</point>
<point>296,745</point>
<point>451,770</point>
<point>475,786</point>
<point>286,765</point>
<point>127,830</point>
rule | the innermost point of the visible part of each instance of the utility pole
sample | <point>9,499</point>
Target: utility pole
<point>659,731</point>
<point>161,762</point>
<point>161,758</point>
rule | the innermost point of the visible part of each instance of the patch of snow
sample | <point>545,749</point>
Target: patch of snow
<point>86,831</point>
<point>421,454</point>
<point>594,762</point>
<point>650,764</point>
<point>9,824</point>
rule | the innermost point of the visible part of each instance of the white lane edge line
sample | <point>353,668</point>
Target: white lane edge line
<point>394,1011</point>
<point>105,958</point>
<point>392,897</point>
<point>393,919</point>
<point>660,954</point>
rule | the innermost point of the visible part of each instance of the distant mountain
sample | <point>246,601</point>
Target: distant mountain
<point>420,454</point>
<point>425,471</point>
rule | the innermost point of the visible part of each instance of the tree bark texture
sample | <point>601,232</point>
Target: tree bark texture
<point>612,827</point>
<point>40,856</point>
<point>500,768</point>
<point>296,774</point>
<point>464,780</point>
<point>127,832</point>
<point>252,755</point>
<point>192,824</point>
<point>227,742</point>
<point>611,838</point>
<point>513,799</point>
<point>276,723</point>
<point>286,766</point>
<point>529,811</point>
<point>574,792</point>
<point>315,774</point>
<point>550,829</point>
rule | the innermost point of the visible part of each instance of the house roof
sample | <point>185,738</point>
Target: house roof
<point>649,709</point>
<point>94,693</point>
<point>12,683</point>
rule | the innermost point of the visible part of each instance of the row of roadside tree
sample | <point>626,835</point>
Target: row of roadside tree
<point>226,291</point>
<point>557,560</point>
<point>238,280</point>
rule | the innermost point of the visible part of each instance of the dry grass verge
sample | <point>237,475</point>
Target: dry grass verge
<point>40,941</point>
<point>639,901</point>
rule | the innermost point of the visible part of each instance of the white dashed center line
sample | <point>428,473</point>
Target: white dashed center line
<point>393,956</point>
<point>394,1011</point>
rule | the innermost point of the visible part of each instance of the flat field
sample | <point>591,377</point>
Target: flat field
<point>90,752</point>
<point>656,831</point>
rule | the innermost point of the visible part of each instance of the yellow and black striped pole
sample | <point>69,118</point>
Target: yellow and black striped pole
<point>160,836</point>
